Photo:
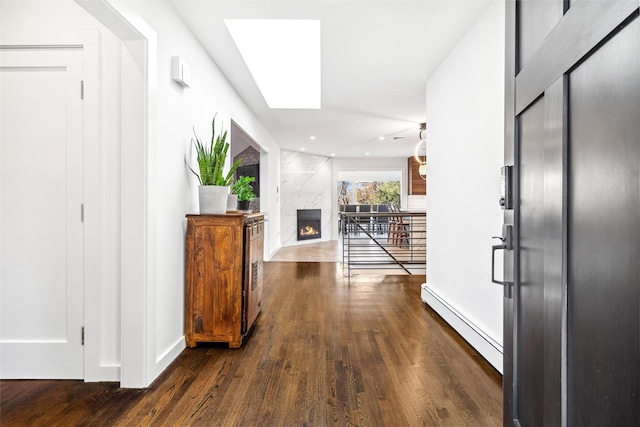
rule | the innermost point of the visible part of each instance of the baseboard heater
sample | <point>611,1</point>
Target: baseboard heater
<point>489,348</point>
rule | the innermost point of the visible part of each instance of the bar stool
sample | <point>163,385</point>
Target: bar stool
<point>381,223</point>
<point>398,229</point>
<point>364,220</point>
<point>348,225</point>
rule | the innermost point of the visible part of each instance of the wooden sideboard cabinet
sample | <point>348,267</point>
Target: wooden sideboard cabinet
<point>223,277</point>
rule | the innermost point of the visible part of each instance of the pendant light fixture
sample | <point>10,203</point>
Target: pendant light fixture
<point>420,148</point>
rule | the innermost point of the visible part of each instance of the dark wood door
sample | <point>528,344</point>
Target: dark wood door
<point>572,322</point>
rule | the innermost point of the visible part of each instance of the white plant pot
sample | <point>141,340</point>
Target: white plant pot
<point>213,199</point>
<point>232,202</point>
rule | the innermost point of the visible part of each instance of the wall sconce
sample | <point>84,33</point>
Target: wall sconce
<point>180,71</point>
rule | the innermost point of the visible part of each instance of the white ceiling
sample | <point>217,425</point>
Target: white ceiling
<point>376,57</point>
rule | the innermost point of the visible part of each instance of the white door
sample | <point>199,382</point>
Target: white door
<point>41,233</point>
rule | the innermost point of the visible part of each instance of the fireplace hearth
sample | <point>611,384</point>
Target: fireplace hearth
<point>309,224</point>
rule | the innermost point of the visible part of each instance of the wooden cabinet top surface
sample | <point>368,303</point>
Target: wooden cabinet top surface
<point>228,215</point>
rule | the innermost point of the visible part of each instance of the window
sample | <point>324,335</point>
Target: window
<point>369,187</point>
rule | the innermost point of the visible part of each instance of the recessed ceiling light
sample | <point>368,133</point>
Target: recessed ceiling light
<point>312,137</point>
<point>366,154</point>
<point>283,56</point>
<point>381,138</point>
<point>301,148</point>
<point>333,154</point>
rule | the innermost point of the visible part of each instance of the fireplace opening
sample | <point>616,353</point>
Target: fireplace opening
<point>309,224</point>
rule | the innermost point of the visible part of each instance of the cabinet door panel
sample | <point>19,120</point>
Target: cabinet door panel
<point>253,271</point>
<point>223,277</point>
<point>213,280</point>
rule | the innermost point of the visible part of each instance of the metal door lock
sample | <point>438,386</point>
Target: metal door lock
<point>506,187</point>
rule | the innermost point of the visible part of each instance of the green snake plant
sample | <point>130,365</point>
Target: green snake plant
<point>211,158</point>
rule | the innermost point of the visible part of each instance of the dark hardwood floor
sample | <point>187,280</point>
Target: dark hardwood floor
<point>324,351</point>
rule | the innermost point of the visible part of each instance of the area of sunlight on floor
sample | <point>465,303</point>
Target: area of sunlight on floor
<point>333,251</point>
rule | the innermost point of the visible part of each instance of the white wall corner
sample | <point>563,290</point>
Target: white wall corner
<point>165,359</point>
<point>273,252</point>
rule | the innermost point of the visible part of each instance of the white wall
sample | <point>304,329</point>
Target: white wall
<point>175,188</point>
<point>417,203</point>
<point>465,98</point>
<point>367,164</point>
<point>172,189</point>
<point>172,192</point>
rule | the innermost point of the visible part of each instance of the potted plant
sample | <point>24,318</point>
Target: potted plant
<point>242,187</point>
<point>214,186</point>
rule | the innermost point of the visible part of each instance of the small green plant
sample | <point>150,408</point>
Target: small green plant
<point>211,158</point>
<point>242,188</point>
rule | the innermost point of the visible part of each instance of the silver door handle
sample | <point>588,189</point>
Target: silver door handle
<point>507,244</point>
<point>495,248</point>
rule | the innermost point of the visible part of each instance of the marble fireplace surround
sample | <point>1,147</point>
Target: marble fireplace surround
<point>305,184</point>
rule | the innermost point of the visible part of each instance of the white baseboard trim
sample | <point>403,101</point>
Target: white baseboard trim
<point>273,252</point>
<point>491,350</point>
<point>163,361</point>
<point>104,373</point>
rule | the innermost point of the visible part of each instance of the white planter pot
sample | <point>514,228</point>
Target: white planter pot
<point>232,202</point>
<point>213,199</point>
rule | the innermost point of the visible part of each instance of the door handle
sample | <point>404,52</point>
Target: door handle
<point>507,244</point>
<point>495,248</point>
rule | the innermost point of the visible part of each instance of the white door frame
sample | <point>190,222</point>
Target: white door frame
<point>139,82</point>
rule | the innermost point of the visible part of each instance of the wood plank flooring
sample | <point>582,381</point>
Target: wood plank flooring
<point>325,351</point>
<point>367,250</point>
<point>328,251</point>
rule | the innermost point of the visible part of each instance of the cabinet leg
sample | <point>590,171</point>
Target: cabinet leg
<point>190,343</point>
<point>235,344</point>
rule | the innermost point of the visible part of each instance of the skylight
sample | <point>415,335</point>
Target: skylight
<point>283,56</point>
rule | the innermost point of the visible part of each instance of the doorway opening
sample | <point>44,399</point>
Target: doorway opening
<point>246,148</point>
